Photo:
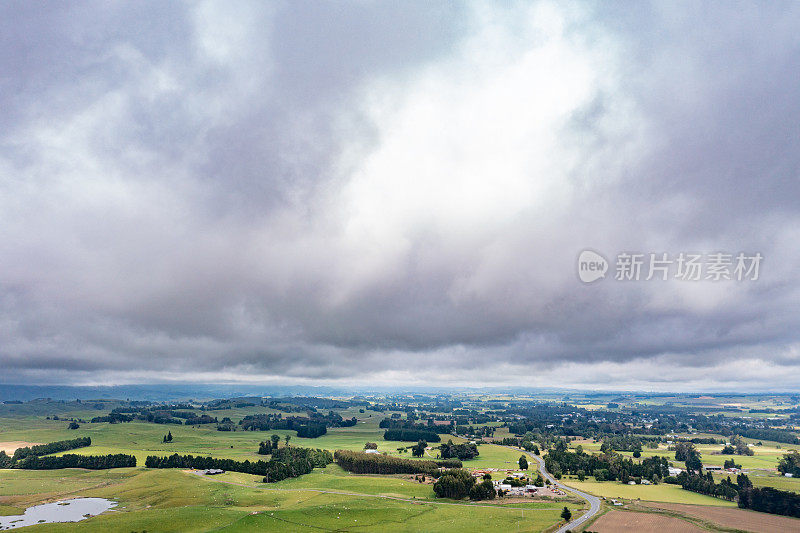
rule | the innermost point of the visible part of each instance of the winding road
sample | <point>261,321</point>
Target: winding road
<point>594,501</point>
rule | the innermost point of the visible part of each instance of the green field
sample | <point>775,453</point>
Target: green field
<point>173,500</point>
<point>655,493</point>
<point>765,457</point>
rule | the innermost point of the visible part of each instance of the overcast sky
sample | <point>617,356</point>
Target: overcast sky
<point>397,193</point>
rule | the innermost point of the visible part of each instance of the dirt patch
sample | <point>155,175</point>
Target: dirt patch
<point>10,446</point>
<point>615,521</point>
<point>734,518</point>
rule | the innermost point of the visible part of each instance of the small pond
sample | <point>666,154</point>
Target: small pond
<point>73,510</point>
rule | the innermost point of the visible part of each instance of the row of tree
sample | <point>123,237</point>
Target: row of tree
<point>371,463</point>
<point>285,463</point>
<point>52,447</point>
<point>411,435</point>
<point>776,435</point>
<point>704,484</point>
<point>769,500</point>
<point>430,426</point>
<point>311,426</point>
<point>763,499</point>
<point>71,460</point>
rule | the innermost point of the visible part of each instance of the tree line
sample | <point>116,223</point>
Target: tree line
<point>285,463</point>
<point>52,447</point>
<point>776,435</point>
<point>430,427</point>
<point>763,499</point>
<point>411,435</point>
<point>704,484</point>
<point>371,463</point>
<point>71,460</point>
<point>312,426</point>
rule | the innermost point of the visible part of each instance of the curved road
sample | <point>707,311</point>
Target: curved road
<point>594,501</point>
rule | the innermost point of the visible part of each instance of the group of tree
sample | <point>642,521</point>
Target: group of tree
<point>686,452</point>
<point>167,437</point>
<point>457,484</point>
<point>226,424</point>
<point>605,466</point>
<point>112,418</point>
<point>790,464</point>
<point>266,447</point>
<point>737,446</point>
<point>155,414</point>
<point>285,463</point>
<point>411,435</point>
<point>373,463</point>
<point>312,431</point>
<point>463,452</point>
<point>418,450</point>
<point>312,426</point>
<point>730,463</point>
<point>475,431</point>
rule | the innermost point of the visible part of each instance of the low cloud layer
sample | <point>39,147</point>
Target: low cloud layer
<point>396,193</point>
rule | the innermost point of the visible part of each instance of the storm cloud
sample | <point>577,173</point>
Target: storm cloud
<point>396,193</point>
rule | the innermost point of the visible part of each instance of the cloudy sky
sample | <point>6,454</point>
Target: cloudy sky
<point>397,193</point>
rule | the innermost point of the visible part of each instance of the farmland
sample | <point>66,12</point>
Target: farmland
<point>614,521</point>
<point>331,497</point>
<point>238,502</point>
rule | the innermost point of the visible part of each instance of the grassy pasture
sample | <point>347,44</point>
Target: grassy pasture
<point>656,493</point>
<point>172,500</point>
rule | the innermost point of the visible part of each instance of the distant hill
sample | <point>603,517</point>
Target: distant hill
<point>158,392</point>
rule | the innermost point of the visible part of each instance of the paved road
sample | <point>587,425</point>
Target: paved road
<point>594,501</point>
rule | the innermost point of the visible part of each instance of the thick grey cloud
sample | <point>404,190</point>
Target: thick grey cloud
<point>395,193</point>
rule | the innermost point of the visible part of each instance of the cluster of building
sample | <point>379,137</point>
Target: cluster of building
<point>527,490</point>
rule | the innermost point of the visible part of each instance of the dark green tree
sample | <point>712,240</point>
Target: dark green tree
<point>418,450</point>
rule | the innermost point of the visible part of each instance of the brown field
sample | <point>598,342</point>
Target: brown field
<point>734,518</point>
<point>10,446</point>
<point>614,521</point>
